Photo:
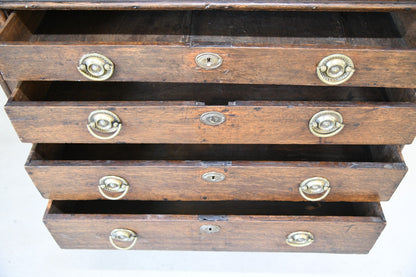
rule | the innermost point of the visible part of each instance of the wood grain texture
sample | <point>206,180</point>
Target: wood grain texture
<point>380,57</point>
<point>304,5</point>
<point>259,177</point>
<point>406,24</point>
<point>5,87</point>
<point>252,122</point>
<point>340,233</point>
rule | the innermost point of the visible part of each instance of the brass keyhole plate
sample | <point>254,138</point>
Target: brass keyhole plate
<point>213,177</point>
<point>212,118</point>
<point>208,60</point>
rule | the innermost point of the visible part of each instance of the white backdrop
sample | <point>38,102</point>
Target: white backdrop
<point>27,248</point>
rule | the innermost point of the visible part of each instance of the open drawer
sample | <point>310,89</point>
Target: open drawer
<point>293,48</point>
<point>216,172</point>
<point>220,226</point>
<point>90,112</point>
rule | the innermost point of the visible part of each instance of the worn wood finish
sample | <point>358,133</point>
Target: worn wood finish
<point>3,17</point>
<point>304,5</point>
<point>5,87</point>
<point>380,54</point>
<point>337,227</point>
<point>177,120</point>
<point>406,23</point>
<point>258,172</point>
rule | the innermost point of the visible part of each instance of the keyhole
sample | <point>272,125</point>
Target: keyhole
<point>213,177</point>
<point>208,61</point>
<point>210,229</point>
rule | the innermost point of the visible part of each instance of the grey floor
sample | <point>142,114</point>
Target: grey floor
<point>27,249</point>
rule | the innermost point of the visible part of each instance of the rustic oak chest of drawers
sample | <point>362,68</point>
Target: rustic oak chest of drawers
<point>186,125</point>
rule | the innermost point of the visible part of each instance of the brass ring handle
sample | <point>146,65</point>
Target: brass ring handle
<point>315,185</point>
<point>300,239</point>
<point>123,235</point>
<point>326,124</point>
<point>113,184</point>
<point>103,121</point>
<point>95,67</point>
<point>335,69</point>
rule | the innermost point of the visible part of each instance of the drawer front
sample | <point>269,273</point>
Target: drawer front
<point>369,121</point>
<point>290,66</point>
<point>175,179</point>
<point>247,57</point>
<point>333,234</point>
<point>307,5</point>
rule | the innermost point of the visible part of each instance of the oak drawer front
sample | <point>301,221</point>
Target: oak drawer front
<point>267,5</point>
<point>229,226</point>
<point>216,172</point>
<point>211,113</point>
<point>254,48</point>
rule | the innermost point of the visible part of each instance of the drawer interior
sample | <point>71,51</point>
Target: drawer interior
<point>207,93</point>
<point>216,27</point>
<point>359,209</point>
<point>216,152</point>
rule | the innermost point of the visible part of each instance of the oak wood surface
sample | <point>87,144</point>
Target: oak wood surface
<point>252,172</point>
<point>380,54</point>
<point>291,5</point>
<point>354,230</point>
<point>177,120</point>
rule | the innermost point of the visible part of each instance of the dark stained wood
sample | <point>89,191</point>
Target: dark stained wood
<point>3,17</point>
<point>253,172</point>
<point>337,227</point>
<point>160,53</point>
<point>20,26</point>
<point>291,5</point>
<point>406,23</point>
<point>175,118</point>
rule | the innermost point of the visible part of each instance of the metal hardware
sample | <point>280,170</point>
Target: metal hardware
<point>123,235</point>
<point>212,118</point>
<point>208,60</point>
<point>315,185</point>
<point>113,184</point>
<point>103,121</point>
<point>210,229</point>
<point>326,124</point>
<point>214,177</point>
<point>95,67</point>
<point>300,239</point>
<point>335,69</point>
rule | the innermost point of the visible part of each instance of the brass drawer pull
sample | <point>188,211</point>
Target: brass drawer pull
<point>103,121</point>
<point>326,124</point>
<point>315,185</point>
<point>210,229</point>
<point>123,235</point>
<point>212,118</point>
<point>96,67</point>
<point>213,177</point>
<point>208,60</point>
<point>300,239</point>
<point>335,69</point>
<point>113,184</point>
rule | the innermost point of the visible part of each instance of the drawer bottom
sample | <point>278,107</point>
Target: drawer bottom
<point>329,227</point>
